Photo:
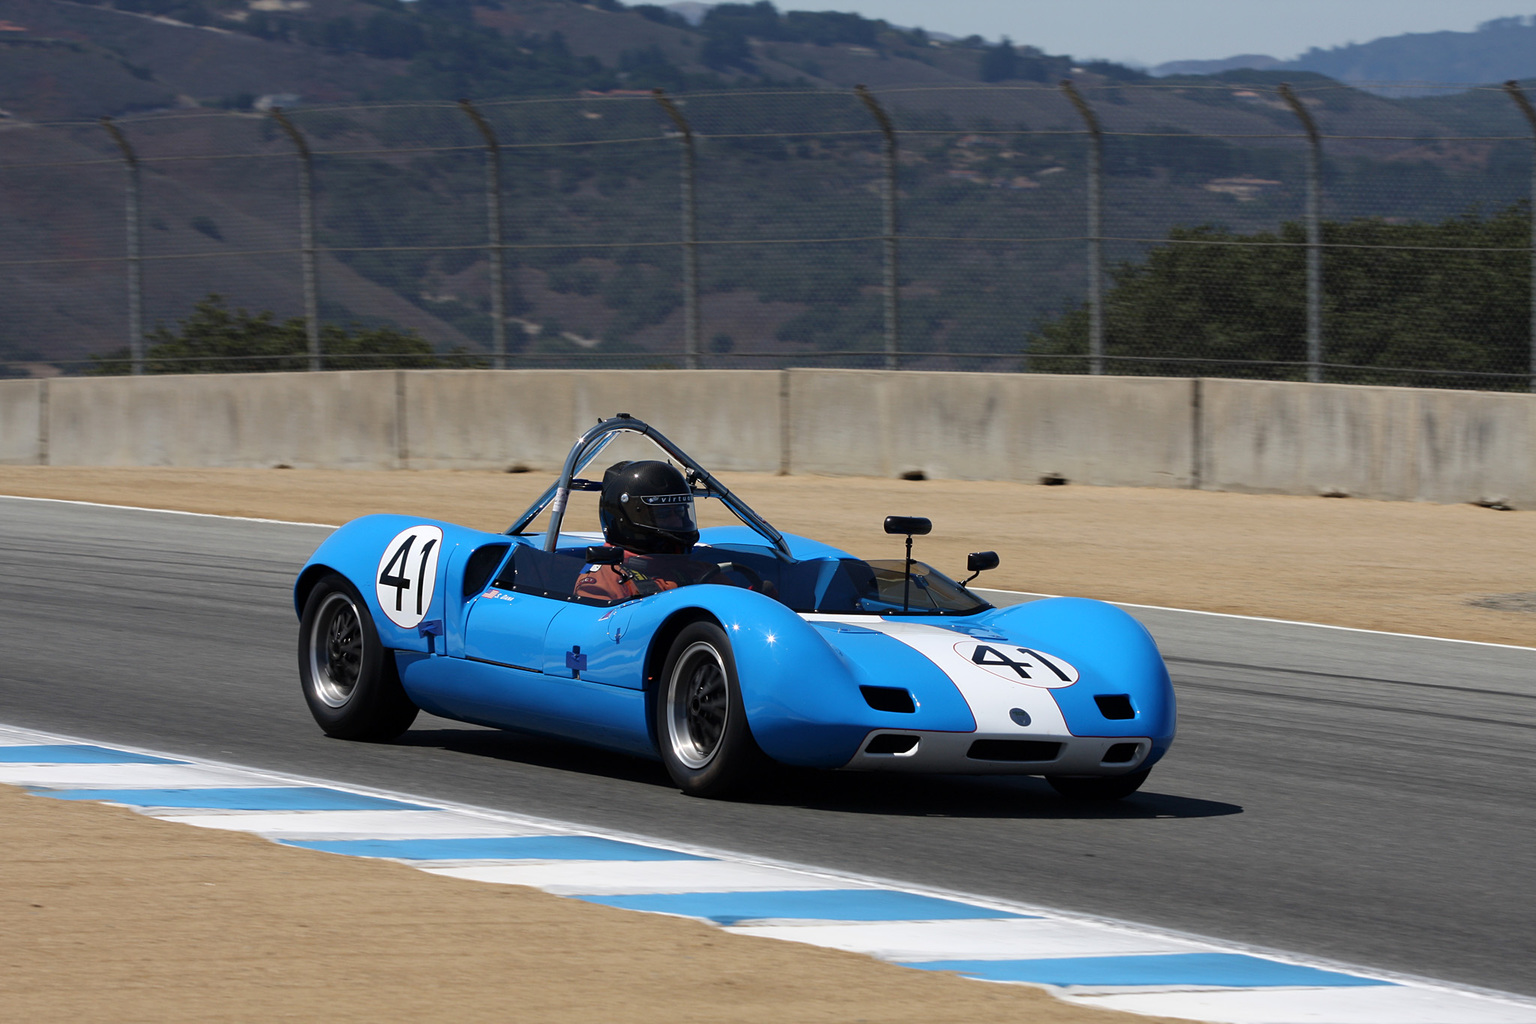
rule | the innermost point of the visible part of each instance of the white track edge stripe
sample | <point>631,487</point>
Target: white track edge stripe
<point>1117,924</point>
<point>1278,622</point>
<point>1017,593</point>
<point>171,511</point>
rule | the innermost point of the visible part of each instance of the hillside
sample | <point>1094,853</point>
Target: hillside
<point>1497,51</point>
<point>991,174</point>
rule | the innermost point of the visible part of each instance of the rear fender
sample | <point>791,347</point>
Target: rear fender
<point>426,589</point>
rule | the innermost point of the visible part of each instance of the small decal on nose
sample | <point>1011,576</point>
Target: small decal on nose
<point>1019,716</point>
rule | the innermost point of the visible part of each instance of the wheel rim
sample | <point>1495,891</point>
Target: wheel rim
<point>698,705</point>
<point>336,650</point>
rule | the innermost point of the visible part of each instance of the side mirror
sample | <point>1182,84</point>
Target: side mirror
<point>604,555</point>
<point>981,561</point>
<point>911,526</point>
<point>978,562</point>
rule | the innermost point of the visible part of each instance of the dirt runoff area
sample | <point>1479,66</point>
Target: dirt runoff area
<point>108,916</point>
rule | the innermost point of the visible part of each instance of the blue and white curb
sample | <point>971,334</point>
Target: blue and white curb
<point>1089,961</point>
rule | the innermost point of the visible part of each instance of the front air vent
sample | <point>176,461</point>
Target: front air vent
<point>888,698</point>
<point>1114,706</point>
<point>891,743</point>
<point>1013,750</point>
<point>481,566</point>
<point>1121,753</point>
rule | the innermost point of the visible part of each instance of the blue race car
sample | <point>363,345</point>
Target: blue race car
<point>810,657</point>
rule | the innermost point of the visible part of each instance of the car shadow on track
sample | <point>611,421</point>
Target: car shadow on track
<point>843,792</point>
<point>970,797</point>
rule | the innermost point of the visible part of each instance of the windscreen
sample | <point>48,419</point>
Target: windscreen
<point>882,587</point>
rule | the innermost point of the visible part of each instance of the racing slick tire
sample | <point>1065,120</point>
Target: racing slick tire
<point>701,724</point>
<point>1098,788</point>
<point>349,680</point>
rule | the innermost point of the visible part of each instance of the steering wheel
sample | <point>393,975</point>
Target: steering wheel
<point>754,581</point>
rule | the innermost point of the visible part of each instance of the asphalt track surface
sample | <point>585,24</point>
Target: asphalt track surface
<point>1357,796</point>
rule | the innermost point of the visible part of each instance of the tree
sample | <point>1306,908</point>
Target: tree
<point>1451,297</point>
<point>999,63</point>
<point>215,340</point>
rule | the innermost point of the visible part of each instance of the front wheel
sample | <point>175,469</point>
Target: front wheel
<point>1098,788</point>
<point>350,682</point>
<point>701,725</point>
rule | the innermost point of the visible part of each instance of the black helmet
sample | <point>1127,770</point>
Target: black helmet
<point>647,507</point>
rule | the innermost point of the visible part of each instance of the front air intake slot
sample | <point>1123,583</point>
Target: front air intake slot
<point>888,698</point>
<point>481,566</point>
<point>891,743</point>
<point>1013,750</point>
<point>1121,753</point>
<point>1114,706</point>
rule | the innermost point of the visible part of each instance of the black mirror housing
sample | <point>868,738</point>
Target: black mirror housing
<point>981,561</point>
<point>911,526</point>
<point>604,555</point>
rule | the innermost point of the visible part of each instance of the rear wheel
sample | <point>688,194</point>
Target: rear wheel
<point>1098,787</point>
<point>701,725</point>
<point>350,682</point>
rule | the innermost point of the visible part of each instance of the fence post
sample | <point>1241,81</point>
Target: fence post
<point>1513,88</point>
<point>891,229</point>
<point>1095,226</point>
<point>135,280</point>
<point>1314,234</point>
<point>494,246</point>
<point>691,345</point>
<point>306,238</point>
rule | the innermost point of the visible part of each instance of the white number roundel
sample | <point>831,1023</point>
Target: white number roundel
<point>1019,664</point>
<point>408,575</point>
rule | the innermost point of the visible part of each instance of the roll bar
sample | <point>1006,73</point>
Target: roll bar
<point>592,443</point>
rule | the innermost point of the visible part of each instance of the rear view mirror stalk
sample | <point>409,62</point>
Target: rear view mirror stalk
<point>910,526</point>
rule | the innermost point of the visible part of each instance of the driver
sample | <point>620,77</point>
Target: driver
<point>646,508</point>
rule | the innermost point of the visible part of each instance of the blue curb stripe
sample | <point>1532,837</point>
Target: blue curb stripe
<point>495,848</point>
<point>76,753</point>
<point>255,798</point>
<point>1225,970</point>
<point>728,908</point>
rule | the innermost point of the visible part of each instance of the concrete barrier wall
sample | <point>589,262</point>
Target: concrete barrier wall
<point>1132,431</point>
<point>1287,438</point>
<point>347,420</point>
<point>22,423</point>
<point>465,419</point>
<point>1389,443</point>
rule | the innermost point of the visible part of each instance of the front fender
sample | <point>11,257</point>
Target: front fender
<point>1115,655</point>
<point>801,686</point>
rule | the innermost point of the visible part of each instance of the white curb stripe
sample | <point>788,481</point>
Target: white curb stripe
<point>1025,939</point>
<point>121,776</point>
<point>1000,942</point>
<point>355,824</point>
<point>622,878</point>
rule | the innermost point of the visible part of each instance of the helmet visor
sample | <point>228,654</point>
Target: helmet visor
<point>672,513</point>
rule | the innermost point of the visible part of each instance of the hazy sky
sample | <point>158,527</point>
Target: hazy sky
<point>1154,31</point>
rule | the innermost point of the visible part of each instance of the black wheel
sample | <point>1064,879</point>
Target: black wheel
<point>1098,787</point>
<point>349,679</point>
<point>701,726</point>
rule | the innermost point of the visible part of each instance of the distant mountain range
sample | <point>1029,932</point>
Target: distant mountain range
<point>1498,50</point>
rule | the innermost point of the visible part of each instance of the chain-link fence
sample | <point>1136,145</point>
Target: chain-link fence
<point>1178,227</point>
